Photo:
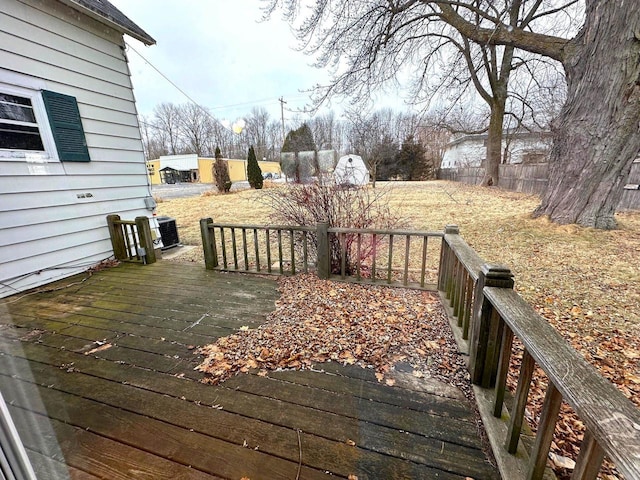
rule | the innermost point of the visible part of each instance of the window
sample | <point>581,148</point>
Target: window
<point>41,125</point>
<point>18,126</point>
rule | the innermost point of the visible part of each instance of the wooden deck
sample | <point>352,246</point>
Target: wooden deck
<point>100,382</point>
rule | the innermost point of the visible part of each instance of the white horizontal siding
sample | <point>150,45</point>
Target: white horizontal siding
<point>51,267</point>
<point>42,35</point>
<point>69,199</point>
<point>45,183</point>
<point>31,212</point>
<point>49,227</point>
<point>66,23</point>
<point>61,74</point>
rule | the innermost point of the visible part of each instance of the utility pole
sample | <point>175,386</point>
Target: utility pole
<point>282,102</point>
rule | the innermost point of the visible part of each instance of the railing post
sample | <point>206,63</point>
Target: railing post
<point>324,259</point>
<point>117,237</point>
<point>486,327</point>
<point>444,273</point>
<point>146,242</point>
<point>208,244</point>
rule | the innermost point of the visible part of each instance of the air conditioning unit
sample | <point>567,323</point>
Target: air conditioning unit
<point>168,232</point>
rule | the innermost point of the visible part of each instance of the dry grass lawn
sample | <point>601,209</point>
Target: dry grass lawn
<point>585,281</point>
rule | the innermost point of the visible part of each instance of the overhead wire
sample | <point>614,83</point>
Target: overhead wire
<point>206,110</point>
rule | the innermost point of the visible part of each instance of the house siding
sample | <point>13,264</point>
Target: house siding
<point>470,150</point>
<point>49,226</point>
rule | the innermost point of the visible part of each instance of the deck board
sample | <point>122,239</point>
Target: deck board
<point>136,408</point>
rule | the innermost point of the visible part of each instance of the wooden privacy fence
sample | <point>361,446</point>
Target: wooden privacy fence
<point>523,177</point>
<point>490,314</point>
<point>533,178</point>
<point>390,257</point>
<point>131,239</point>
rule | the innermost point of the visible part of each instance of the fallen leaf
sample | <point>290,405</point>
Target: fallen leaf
<point>101,348</point>
<point>562,462</point>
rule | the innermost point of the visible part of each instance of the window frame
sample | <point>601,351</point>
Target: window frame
<point>50,152</point>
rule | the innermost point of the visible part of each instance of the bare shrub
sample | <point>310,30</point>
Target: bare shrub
<point>340,207</point>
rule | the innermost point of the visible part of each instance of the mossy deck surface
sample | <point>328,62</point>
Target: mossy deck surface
<point>99,378</point>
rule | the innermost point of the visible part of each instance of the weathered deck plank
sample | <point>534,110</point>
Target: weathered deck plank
<point>140,398</point>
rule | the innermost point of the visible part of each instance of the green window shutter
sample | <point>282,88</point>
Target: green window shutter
<point>66,126</point>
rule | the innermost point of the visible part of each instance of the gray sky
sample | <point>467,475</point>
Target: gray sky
<point>219,53</point>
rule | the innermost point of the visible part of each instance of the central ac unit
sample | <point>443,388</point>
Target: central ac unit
<point>168,232</point>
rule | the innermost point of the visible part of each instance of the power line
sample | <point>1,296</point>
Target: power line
<point>173,84</point>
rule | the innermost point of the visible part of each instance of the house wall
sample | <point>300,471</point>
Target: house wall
<point>471,151</point>
<point>52,213</point>
<point>153,167</point>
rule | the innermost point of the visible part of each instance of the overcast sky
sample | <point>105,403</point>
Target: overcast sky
<point>220,54</point>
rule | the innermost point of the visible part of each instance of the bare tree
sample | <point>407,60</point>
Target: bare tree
<point>166,117</point>
<point>596,136</point>
<point>257,124</point>
<point>194,127</point>
<point>327,132</point>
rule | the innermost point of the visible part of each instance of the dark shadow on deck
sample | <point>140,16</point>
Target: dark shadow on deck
<point>100,381</point>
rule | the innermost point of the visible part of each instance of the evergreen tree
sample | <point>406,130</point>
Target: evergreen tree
<point>296,141</point>
<point>299,140</point>
<point>413,161</point>
<point>221,173</point>
<point>254,173</point>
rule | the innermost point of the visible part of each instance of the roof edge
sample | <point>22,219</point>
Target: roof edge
<point>123,25</point>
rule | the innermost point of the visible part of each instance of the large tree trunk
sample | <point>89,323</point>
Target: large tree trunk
<point>494,144</point>
<point>597,134</point>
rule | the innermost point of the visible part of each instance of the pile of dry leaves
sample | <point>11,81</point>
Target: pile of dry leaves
<point>318,320</point>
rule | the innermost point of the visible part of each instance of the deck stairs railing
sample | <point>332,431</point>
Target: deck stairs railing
<point>131,239</point>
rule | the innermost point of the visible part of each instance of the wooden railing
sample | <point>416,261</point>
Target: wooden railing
<point>131,239</point>
<point>390,257</point>
<point>490,314</point>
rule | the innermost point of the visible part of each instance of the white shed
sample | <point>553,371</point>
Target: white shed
<point>70,145</point>
<point>351,170</point>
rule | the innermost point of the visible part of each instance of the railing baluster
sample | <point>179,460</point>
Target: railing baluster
<point>257,248</point>
<point>342,240</point>
<point>373,262</point>
<point>589,459</point>
<point>390,258</point>
<point>214,248</point>
<point>234,247</point>
<point>268,239</point>
<point>280,251</point>
<point>223,243</point>
<point>522,392</point>
<point>293,255</point>
<point>423,267</point>
<point>406,260</point>
<point>468,309</point>
<point>244,248</point>
<point>305,252</point>
<point>127,240</point>
<point>544,435</point>
<point>460,292</point>
<point>503,370</point>
<point>359,258</point>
